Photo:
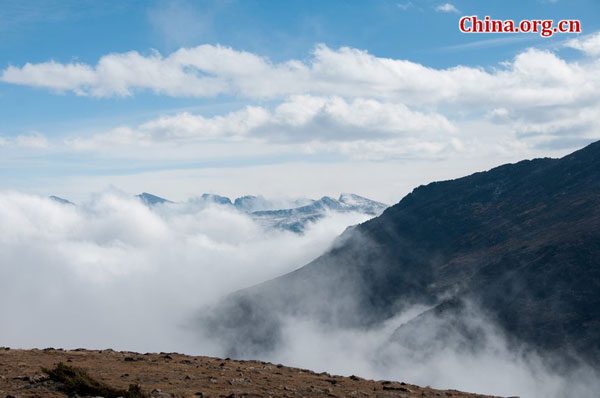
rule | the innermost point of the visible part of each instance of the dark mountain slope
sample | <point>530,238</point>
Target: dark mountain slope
<point>522,241</point>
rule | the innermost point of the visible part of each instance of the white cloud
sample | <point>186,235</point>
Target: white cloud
<point>405,6</point>
<point>115,273</point>
<point>207,71</point>
<point>60,77</point>
<point>187,126</point>
<point>589,44</point>
<point>32,140</point>
<point>447,7</point>
<point>300,119</point>
<point>343,100</point>
<point>71,273</point>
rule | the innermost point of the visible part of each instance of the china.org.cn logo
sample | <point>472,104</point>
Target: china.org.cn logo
<point>545,27</point>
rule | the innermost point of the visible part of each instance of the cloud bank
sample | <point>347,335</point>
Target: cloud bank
<point>533,77</point>
<point>300,119</point>
<point>344,101</point>
<point>115,273</point>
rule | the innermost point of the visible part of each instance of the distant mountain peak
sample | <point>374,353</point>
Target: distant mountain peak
<point>151,200</point>
<point>296,219</point>
<point>61,200</point>
<point>250,203</point>
<point>351,199</point>
<point>287,214</point>
<point>222,200</point>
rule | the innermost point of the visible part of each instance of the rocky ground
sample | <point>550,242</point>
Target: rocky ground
<point>167,375</point>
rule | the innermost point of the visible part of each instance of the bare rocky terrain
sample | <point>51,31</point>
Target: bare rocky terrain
<point>167,375</point>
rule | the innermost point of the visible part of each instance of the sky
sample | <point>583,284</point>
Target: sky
<point>290,98</point>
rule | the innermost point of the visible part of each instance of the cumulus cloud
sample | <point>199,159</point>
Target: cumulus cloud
<point>447,7</point>
<point>299,119</point>
<point>207,71</point>
<point>113,272</point>
<point>59,77</point>
<point>345,101</point>
<point>202,71</point>
<point>589,44</point>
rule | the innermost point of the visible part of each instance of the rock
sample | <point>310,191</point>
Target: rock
<point>239,380</point>
<point>392,388</point>
<point>39,378</point>
<point>158,393</point>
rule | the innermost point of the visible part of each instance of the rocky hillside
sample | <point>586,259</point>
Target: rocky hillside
<point>521,242</point>
<point>167,375</point>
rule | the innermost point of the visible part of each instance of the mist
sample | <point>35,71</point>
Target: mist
<point>115,273</point>
<point>441,357</point>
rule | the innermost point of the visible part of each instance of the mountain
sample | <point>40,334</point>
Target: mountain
<point>270,214</point>
<point>250,203</point>
<point>152,200</point>
<point>275,214</point>
<point>297,219</point>
<point>218,199</point>
<point>521,242</point>
<point>61,200</point>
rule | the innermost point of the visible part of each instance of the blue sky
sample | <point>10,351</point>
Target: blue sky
<point>80,136</point>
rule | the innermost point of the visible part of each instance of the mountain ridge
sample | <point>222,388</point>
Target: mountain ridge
<point>522,241</point>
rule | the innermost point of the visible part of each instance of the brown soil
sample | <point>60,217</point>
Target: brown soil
<point>174,375</point>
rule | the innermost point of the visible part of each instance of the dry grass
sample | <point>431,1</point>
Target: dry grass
<point>76,382</point>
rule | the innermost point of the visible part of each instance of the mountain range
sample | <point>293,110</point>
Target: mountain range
<point>292,215</point>
<point>271,214</point>
<point>520,242</point>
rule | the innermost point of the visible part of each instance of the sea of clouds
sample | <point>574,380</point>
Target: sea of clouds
<point>113,272</point>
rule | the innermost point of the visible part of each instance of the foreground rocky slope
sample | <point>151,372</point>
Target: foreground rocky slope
<point>175,375</point>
